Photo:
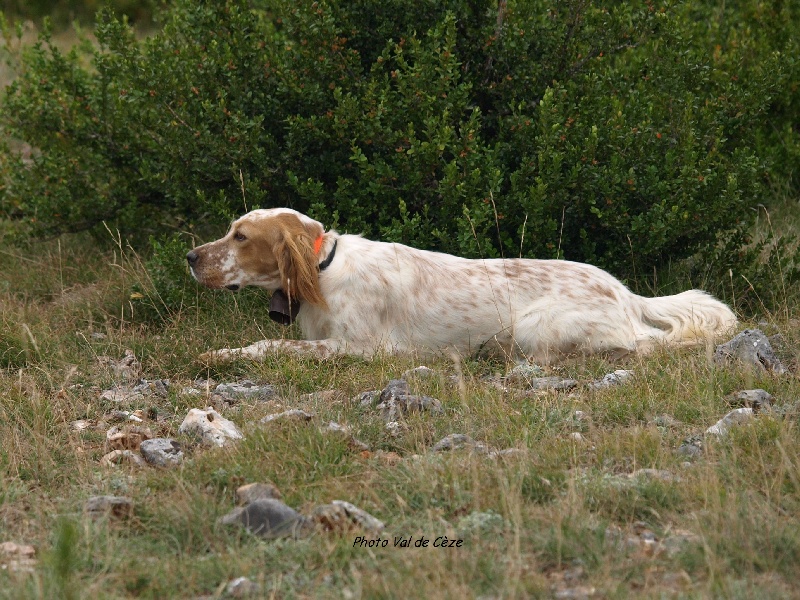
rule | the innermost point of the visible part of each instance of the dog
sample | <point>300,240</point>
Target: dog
<point>356,296</point>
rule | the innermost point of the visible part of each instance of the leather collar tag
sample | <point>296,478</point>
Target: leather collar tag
<point>281,310</point>
<point>284,312</point>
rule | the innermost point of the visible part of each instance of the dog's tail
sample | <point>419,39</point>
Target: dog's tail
<point>689,317</point>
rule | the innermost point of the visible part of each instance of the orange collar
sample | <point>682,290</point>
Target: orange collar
<point>318,245</point>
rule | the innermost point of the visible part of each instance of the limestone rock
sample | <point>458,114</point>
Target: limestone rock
<point>752,348</point>
<point>294,415</point>
<point>242,587</point>
<point>367,399</point>
<point>161,452</point>
<point>341,517</point>
<point>128,437</point>
<point>154,387</point>
<point>456,441</point>
<point>611,379</point>
<point>269,518</point>
<point>210,426</point>
<point>540,384</point>
<point>118,457</point>
<point>18,558</point>
<point>420,372</point>
<point>757,399</point>
<point>335,428</point>
<point>735,417</point>
<point>397,406</point>
<point>245,390</point>
<point>393,389</point>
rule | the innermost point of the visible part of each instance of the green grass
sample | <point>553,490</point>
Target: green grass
<point>547,511</point>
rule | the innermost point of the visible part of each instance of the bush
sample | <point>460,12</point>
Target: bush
<point>602,132</point>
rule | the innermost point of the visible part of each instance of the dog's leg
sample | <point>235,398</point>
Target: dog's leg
<point>259,350</point>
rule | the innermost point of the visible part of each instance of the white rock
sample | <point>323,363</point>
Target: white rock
<point>212,427</point>
<point>242,587</point>
<point>294,414</point>
<point>735,417</point>
<point>118,457</point>
<point>610,379</point>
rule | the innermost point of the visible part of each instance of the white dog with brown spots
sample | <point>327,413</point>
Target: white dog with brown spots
<point>356,296</point>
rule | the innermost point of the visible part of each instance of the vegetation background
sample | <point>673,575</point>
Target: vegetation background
<point>656,139</point>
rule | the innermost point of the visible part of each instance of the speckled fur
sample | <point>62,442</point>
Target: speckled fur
<point>383,297</point>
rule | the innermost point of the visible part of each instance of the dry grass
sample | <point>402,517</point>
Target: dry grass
<point>556,516</point>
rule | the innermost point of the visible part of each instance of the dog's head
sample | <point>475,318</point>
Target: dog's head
<point>272,249</point>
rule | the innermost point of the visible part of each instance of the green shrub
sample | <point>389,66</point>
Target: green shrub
<point>603,132</point>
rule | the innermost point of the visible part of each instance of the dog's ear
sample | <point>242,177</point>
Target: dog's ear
<point>297,262</point>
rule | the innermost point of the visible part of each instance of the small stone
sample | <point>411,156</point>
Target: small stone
<point>752,348</point>
<point>550,383</point>
<point>690,450</point>
<point>395,428</point>
<point>128,437</point>
<point>453,442</point>
<point>611,379</point>
<point>420,372</point>
<point>14,549</point>
<point>119,507</point>
<point>251,492</point>
<point>735,417</point>
<point>212,428</point>
<point>161,452</point>
<point>117,416</point>
<point>270,518</point>
<point>367,399</point>
<point>335,428</point>
<point>583,592</point>
<point>118,457</point>
<point>395,388</point>
<point>242,587</point>
<point>155,387</point>
<point>757,399</point>
<point>120,394</point>
<point>17,558</point>
<point>245,390</point>
<point>341,517</point>
<point>397,406</point>
<point>96,335</point>
<point>295,415</point>
<point>576,436</point>
<point>82,425</point>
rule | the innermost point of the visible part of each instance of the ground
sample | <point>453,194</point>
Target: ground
<point>566,515</point>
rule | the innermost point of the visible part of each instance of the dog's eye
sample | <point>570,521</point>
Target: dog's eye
<point>239,237</point>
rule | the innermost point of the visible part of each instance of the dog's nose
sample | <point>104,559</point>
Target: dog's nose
<point>192,257</point>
